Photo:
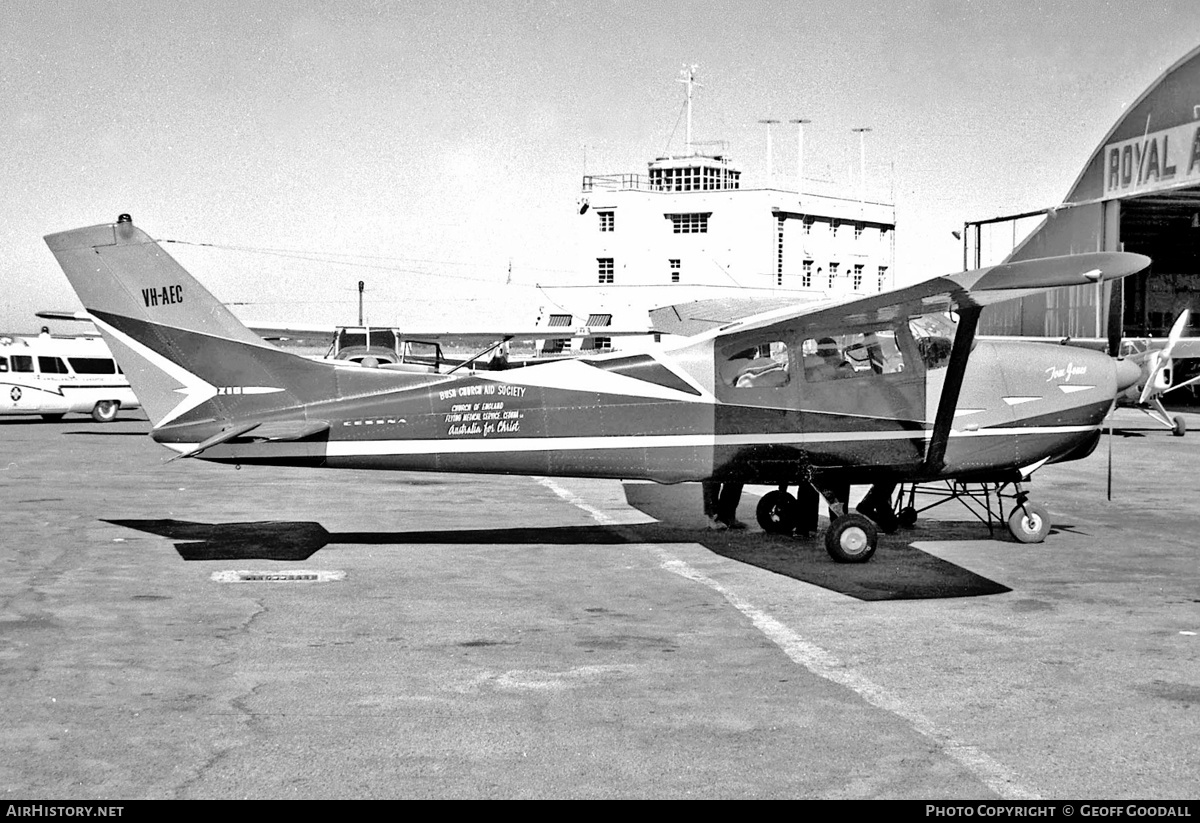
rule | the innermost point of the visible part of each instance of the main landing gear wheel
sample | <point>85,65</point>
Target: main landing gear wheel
<point>777,513</point>
<point>105,411</point>
<point>1029,523</point>
<point>1180,426</point>
<point>851,538</point>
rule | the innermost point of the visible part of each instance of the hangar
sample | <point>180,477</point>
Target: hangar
<point>1138,192</point>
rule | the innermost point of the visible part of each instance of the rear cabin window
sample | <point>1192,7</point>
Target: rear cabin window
<point>3,364</point>
<point>92,365</point>
<point>52,365</point>
<point>22,362</point>
<point>761,366</point>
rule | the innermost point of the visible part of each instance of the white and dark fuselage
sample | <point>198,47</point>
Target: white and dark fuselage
<point>669,418</point>
<point>903,408</point>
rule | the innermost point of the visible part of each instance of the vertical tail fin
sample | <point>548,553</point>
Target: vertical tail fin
<point>187,357</point>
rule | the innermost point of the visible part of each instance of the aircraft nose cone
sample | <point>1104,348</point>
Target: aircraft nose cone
<point>1128,374</point>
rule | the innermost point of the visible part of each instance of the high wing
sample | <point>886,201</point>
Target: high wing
<point>953,292</point>
<point>80,316</point>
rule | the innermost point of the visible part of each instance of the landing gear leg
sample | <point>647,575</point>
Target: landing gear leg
<point>851,537</point>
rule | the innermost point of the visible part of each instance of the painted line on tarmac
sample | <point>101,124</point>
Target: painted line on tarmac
<point>820,662</point>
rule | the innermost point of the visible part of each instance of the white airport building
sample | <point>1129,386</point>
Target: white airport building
<point>689,228</point>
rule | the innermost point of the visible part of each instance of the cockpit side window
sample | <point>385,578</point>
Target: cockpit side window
<point>934,335</point>
<point>851,356</point>
<point>765,365</point>
<point>22,363</point>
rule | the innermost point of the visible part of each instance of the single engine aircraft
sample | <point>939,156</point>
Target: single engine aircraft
<point>908,411</point>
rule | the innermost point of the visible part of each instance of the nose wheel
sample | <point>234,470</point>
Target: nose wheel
<point>1029,522</point>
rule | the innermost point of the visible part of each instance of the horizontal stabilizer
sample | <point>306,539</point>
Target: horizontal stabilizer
<point>223,436</point>
<point>271,430</point>
<point>289,429</point>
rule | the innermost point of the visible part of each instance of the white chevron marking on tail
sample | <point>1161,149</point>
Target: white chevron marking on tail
<point>194,390</point>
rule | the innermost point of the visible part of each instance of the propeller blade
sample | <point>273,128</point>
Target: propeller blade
<point>1116,318</point>
<point>1161,360</point>
<point>1155,364</point>
<point>1176,333</point>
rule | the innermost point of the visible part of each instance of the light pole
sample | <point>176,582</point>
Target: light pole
<point>799,152</point>
<point>770,162</point>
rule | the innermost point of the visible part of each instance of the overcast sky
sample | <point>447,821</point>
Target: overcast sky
<point>438,141</point>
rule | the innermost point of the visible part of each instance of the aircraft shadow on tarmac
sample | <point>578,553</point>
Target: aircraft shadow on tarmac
<point>898,571</point>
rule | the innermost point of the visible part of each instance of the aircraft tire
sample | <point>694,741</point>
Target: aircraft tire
<point>776,512</point>
<point>1180,427</point>
<point>105,411</point>
<point>1032,527</point>
<point>851,538</point>
<point>907,517</point>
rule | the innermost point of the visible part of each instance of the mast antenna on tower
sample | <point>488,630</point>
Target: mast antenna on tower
<point>689,79</point>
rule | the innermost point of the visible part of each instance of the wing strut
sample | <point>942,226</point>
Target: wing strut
<point>956,369</point>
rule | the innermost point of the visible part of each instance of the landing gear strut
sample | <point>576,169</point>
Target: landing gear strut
<point>851,537</point>
<point>1027,522</point>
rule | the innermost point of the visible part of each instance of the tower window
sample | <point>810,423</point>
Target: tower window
<point>605,270</point>
<point>676,269</point>
<point>690,223</point>
<point>779,250</point>
<point>608,220</point>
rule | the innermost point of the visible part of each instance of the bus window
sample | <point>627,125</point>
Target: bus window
<point>92,365</point>
<point>22,363</point>
<point>51,365</point>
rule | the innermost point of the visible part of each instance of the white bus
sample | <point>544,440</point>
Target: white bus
<point>51,376</point>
